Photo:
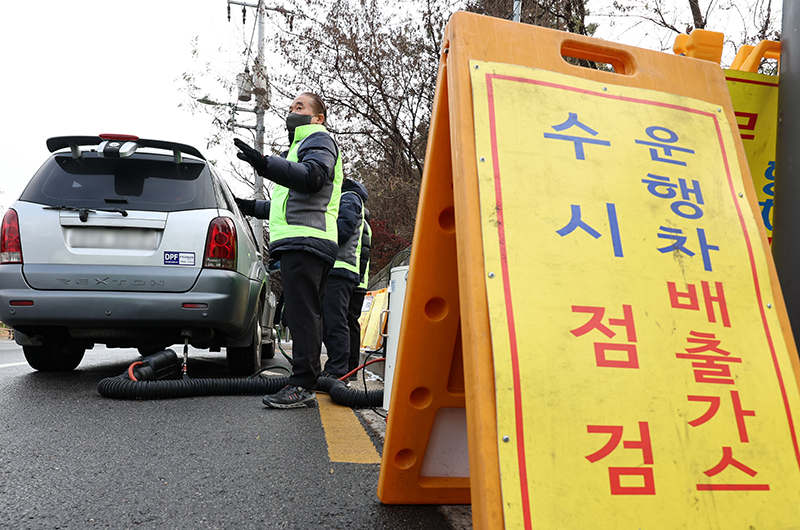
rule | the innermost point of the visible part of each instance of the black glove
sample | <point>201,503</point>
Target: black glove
<point>251,156</point>
<point>247,206</point>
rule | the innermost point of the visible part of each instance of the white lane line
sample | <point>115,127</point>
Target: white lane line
<point>9,365</point>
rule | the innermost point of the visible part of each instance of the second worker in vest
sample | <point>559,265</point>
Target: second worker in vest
<point>357,299</point>
<point>303,234</point>
<point>344,277</point>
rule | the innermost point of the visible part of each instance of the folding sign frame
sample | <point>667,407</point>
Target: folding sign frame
<point>512,370</point>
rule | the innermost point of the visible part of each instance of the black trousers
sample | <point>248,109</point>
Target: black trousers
<point>304,276</point>
<point>336,334</point>
<point>353,314</point>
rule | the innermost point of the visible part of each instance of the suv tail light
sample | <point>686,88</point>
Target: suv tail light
<point>10,246</point>
<point>221,245</point>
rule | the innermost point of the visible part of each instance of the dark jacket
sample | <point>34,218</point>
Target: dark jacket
<point>349,226</point>
<point>366,246</point>
<point>317,157</point>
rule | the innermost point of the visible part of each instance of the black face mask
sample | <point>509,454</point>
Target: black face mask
<point>294,121</point>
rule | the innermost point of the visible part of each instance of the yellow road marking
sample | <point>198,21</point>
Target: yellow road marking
<point>347,440</point>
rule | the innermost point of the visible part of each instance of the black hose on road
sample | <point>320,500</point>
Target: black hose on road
<point>121,387</point>
<point>136,383</point>
<point>350,397</point>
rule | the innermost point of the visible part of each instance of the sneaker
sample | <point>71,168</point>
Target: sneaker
<point>291,397</point>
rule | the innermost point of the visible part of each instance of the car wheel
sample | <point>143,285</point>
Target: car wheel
<point>151,350</point>
<point>268,350</point>
<point>246,360</point>
<point>54,357</point>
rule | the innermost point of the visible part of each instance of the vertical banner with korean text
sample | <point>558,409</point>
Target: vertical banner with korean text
<point>755,102</point>
<point>641,373</point>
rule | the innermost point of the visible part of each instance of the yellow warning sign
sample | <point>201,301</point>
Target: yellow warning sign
<point>641,372</point>
<point>755,102</point>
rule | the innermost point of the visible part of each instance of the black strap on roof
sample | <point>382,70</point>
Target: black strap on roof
<point>62,142</point>
<point>171,146</point>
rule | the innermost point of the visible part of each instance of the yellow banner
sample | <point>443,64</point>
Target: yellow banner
<point>363,320</point>
<point>373,325</point>
<point>641,374</point>
<point>755,102</point>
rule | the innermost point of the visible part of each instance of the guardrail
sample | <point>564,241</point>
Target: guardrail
<point>381,278</point>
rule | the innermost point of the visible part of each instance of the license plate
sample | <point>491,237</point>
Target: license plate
<point>112,238</point>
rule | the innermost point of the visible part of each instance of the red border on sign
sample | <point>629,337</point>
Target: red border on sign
<point>751,81</point>
<point>520,429</point>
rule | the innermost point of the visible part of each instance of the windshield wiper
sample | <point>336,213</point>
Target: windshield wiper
<point>83,213</point>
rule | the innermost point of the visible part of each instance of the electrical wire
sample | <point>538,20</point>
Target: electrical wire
<point>286,355</point>
<point>382,349</point>
<point>354,370</point>
<point>267,369</point>
<point>374,409</point>
<point>252,36</point>
<point>362,368</point>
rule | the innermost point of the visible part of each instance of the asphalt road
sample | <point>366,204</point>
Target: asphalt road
<point>73,459</point>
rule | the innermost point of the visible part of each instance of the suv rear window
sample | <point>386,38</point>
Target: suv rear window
<point>141,182</point>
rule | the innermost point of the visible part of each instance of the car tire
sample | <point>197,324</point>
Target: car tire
<point>246,360</point>
<point>268,350</point>
<point>151,350</point>
<point>53,356</point>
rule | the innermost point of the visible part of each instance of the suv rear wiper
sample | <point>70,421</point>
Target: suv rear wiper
<point>83,213</point>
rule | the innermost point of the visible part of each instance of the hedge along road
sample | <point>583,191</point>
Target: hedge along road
<point>70,458</point>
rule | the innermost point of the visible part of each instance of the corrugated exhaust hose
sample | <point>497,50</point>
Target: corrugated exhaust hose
<point>137,383</point>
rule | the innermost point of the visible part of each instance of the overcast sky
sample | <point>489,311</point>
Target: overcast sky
<point>86,67</point>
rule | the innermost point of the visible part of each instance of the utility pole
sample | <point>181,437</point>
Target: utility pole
<point>260,103</point>
<point>786,215</point>
<point>261,91</point>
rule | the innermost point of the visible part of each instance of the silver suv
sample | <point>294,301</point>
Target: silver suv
<point>116,241</point>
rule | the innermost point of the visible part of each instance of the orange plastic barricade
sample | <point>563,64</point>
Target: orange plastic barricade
<point>765,49</point>
<point>700,44</point>
<point>591,301</point>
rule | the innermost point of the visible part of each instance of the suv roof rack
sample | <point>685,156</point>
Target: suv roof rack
<point>119,145</point>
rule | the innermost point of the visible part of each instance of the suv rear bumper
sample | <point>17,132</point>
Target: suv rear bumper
<point>228,312</point>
